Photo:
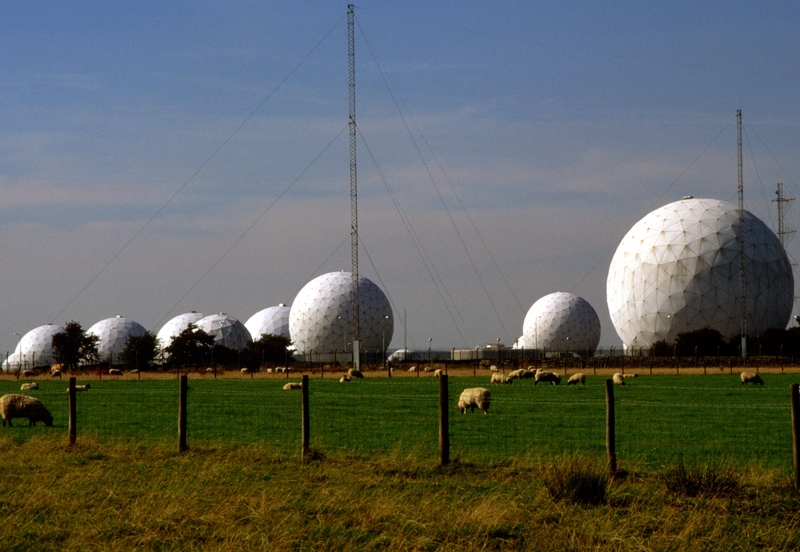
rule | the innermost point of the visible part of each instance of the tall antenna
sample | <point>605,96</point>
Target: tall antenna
<point>351,63</point>
<point>742,283</point>
<point>784,233</point>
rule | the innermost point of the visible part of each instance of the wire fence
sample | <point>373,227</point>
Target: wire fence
<point>658,419</point>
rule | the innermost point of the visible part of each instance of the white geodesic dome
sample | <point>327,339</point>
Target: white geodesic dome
<point>15,362</point>
<point>226,330</point>
<point>272,320</point>
<point>561,321</point>
<point>35,347</point>
<point>175,326</point>
<point>112,334</point>
<point>319,320</point>
<point>677,270</point>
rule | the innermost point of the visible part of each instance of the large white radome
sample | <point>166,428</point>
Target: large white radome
<point>677,270</point>
<point>175,326</point>
<point>272,320</point>
<point>319,320</point>
<point>36,346</point>
<point>226,330</point>
<point>112,334</point>
<point>561,321</point>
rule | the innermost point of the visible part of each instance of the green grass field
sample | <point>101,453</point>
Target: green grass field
<point>659,418</point>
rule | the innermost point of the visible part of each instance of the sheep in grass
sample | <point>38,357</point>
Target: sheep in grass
<point>23,406</point>
<point>618,379</point>
<point>55,374</point>
<point>437,373</point>
<point>751,377</point>
<point>494,368</point>
<point>501,379</point>
<point>134,371</point>
<point>28,374</point>
<point>353,373</point>
<point>575,379</point>
<point>545,376</point>
<point>412,369</point>
<point>343,379</point>
<point>114,372</point>
<point>476,397</point>
<point>630,376</point>
<point>84,387</point>
<point>29,386</point>
<point>293,385</point>
<point>522,373</point>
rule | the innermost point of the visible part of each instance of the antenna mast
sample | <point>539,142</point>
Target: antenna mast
<point>742,283</point>
<point>783,232</point>
<point>351,63</point>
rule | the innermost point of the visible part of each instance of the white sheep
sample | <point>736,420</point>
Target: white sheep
<point>23,406</point>
<point>427,369</point>
<point>630,376</point>
<point>545,376</point>
<point>751,377</point>
<point>575,379</point>
<point>476,397</point>
<point>437,373</point>
<point>353,373</point>
<point>28,374</point>
<point>114,372</point>
<point>501,379</point>
<point>412,369</point>
<point>29,386</point>
<point>209,370</point>
<point>522,373</point>
<point>618,379</point>
<point>494,368</point>
<point>344,379</point>
<point>84,387</point>
<point>134,371</point>
<point>293,385</point>
<point>55,374</point>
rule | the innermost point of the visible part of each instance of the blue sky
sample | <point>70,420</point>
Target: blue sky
<point>559,125</point>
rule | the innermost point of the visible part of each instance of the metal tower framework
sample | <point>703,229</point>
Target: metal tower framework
<point>351,62</point>
<point>742,282</point>
<point>783,231</point>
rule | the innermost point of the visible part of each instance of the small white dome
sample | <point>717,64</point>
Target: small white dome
<point>562,321</point>
<point>226,330</point>
<point>112,334</point>
<point>272,320</point>
<point>175,326</point>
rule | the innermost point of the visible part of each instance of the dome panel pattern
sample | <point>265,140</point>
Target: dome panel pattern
<point>226,330</point>
<point>561,321</point>
<point>35,346</point>
<point>272,320</point>
<point>112,334</point>
<point>175,326</point>
<point>677,270</point>
<point>319,320</point>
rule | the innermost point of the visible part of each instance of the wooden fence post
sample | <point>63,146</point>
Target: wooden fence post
<point>795,394</point>
<point>306,431</point>
<point>444,422</point>
<point>610,428</point>
<point>73,427</point>
<point>182,414</point>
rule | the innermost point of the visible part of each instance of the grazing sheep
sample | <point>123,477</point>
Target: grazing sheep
<point>476,397</point>
<point>618,379</point>
<point>575,379</point>
<point>494,368</point>
<point>427,369</point>
<point>28,373</point>
<point>437,373</point>
<point>412,369</point>
<point>134,371</point>
<point>751,377</point>
<point>293,385</point>
<point>29,386</point>
<point>55,374</point>
<point>343,379</point>
<point>501,379</point>
<point>630,376</point>
<point>114,372</point>
<point>353,373</point>
<point>522,373</point>
<point>23,406</point>
<point>545,376</point>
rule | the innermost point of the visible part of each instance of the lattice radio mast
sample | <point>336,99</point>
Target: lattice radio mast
<point>351,63</point>
<point>784,233</point>
<point>742,282</point>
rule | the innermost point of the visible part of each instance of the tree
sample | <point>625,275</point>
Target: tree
<point>192,345</point>
<point>702,342</point>
<point>73,346</point>
<point>270,348</point>
<point>140,350</point>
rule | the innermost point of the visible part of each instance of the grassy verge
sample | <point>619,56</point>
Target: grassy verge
<point>121,497</point>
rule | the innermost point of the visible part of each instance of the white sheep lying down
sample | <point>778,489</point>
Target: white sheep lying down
<point>293,385</point>
<point>751,377</point>
<point>475,397</point>
<point>84,387</point>
<point>29,386</point>
<point>630,376</point>
<point>343,379</point>
<point>618,379</point>
<point>501,379</point>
